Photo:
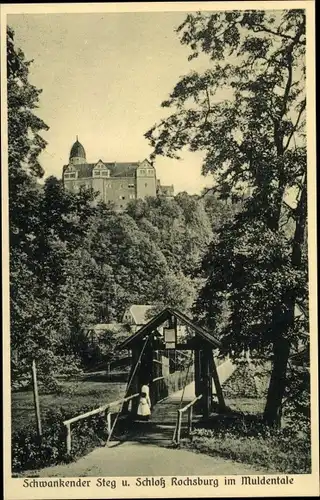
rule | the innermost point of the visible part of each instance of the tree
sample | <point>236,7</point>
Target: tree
<point>253,138</point>
<point>24,146</point>
<point>24,141</point>
<point>180,227</point>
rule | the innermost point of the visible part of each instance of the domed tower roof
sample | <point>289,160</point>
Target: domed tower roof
<point>77,151</point>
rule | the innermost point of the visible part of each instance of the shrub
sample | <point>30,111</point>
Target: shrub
<point>29,453</point>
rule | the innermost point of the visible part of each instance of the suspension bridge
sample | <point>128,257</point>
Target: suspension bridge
<point>175,357</point>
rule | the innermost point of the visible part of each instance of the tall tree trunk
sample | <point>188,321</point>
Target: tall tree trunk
<point>272,412</point>
<point>281,348</point>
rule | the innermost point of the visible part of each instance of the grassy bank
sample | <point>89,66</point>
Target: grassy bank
<point>241,435</point>
<point>244,438</point>
<point>92,391</point>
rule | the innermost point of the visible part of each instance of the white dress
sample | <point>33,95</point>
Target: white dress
<point>144,402</point>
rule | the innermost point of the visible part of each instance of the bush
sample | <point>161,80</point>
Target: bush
<point>246,439</point>
<point>28,453</point>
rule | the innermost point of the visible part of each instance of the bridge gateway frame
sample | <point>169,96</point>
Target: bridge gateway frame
<point>147,341</point>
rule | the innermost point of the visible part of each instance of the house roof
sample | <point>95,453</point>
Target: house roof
<point>159,319</point>
<point>139,313</point>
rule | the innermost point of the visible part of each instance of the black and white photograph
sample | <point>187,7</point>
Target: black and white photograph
<point>159,249</point>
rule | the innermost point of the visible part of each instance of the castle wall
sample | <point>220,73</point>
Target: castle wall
<point>98,186</point>
<point>146,181</point>
<point>71,185</point>
<point>120,191</point>
<point>146,187</point>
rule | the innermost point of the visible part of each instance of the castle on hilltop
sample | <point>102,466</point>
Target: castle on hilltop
<point>118,183</point>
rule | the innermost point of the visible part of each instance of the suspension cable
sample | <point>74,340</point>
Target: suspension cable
<point>128,386</point>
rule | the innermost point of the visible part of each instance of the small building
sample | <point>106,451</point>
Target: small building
<point>137,315</point>
<point>165,191</point>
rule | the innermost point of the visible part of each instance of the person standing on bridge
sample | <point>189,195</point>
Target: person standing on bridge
<point>144,408</point>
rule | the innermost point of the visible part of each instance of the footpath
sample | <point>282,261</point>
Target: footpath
<point>136,459</point>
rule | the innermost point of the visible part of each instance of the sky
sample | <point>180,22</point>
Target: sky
<point>104,76</point>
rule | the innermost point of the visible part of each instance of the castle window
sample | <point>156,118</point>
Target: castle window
<point>101,173</point>
<point>142,172</point>
<point>131,196</point>
<point>150,172</point>
<point>70,176</point>
<point>130,185</point>
<point>146,184</point>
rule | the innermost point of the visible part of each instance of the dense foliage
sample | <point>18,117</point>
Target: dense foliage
<point>246,114</point>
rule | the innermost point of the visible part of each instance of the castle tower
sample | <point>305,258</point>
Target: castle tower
<point>77,154</point>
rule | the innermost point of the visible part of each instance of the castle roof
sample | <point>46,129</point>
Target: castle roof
<point>77,150</point>
<point>122,169</point>
<point>116,169</point>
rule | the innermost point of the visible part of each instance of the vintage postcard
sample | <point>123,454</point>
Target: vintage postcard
<point>159,250</point>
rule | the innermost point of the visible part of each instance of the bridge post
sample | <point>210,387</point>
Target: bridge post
<point>157,372</point>
<point>197,377</point>
<point>197,373</point>
<point>203,378</point>
<point>215,376</point>
<point>68,440</point>
<point>134,386</point>
<point>207,381</point>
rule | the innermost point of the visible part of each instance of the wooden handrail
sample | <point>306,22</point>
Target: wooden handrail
<point>101,409</point>
<point>189,408</point>
<point>185,408</point>
<point>104,407</point>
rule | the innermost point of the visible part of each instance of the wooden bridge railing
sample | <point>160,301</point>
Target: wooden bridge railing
<point>188,408</point>
<point>107,408</point>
